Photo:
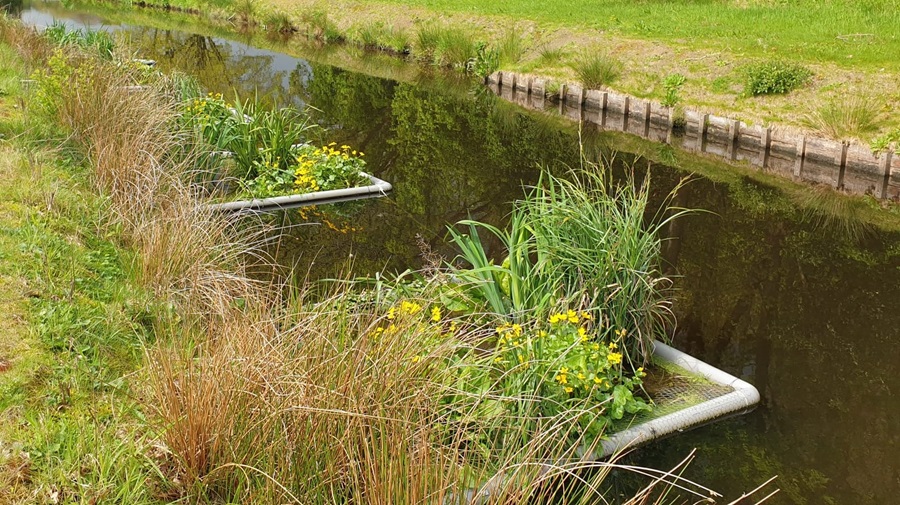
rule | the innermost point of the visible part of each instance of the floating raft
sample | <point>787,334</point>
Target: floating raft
<point>376,189</point>
<point>701,394</point>
<point>724,395</point>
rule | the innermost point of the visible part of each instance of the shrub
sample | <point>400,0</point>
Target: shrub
<point>445,46</point>
<point>582,245</point>
<point>597,70</point>
<point>775,77</point>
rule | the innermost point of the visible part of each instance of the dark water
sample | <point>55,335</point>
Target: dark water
<point>804,305</point>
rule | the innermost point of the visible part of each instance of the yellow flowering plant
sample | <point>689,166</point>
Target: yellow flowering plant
<point>568,362</point>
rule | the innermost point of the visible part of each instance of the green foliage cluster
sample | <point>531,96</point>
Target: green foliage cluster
<point>672,85</point>
<point>267,147</point>
<point>775,77</point>
<point>884,142</point>
<point>95,40</point>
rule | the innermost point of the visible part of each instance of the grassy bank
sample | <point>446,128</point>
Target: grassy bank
<point>73,328</point>
<point>710,49</point>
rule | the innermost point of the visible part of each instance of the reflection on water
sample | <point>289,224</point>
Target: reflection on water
<point>802,310</point>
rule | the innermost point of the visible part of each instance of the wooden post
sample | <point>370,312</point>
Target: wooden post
<point>670,124</point>
<point>562,98</point>
<point>603,102</point>
<point>512,83</point>
<point>886,169</point>
<point>840,159</point>
<point>701,132</point>
<point>646,119</point>
<point>765,141</point>
<point>801,155</point>
<point>626,104</point>
<point>733,131</point>
<point>528,84</point>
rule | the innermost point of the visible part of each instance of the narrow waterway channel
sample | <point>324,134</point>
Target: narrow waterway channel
<point>802,303</point>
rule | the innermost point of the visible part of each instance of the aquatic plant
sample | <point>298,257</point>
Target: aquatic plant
<point>580,244</point>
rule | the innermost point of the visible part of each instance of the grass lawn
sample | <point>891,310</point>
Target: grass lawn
<point>853,34</point>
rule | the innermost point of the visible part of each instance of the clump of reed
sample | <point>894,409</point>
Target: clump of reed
<point>597,69</point>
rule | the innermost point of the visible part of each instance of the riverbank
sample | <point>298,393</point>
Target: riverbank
<point>851,95</point>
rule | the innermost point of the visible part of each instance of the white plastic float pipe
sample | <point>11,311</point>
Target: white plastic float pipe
<point>742,399</point>
<point>378,188</point>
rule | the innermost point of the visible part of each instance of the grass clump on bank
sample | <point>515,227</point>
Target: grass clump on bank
<point>842,119</point>
<point>597,70</point>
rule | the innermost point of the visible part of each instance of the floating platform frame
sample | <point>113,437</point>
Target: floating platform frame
<point>376,189</point>
<point>733,397</point>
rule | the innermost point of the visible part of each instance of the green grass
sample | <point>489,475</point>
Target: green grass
<point>805,29</point>
<point>70,427</point>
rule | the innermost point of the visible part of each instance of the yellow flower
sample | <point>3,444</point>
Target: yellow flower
<point>568,389</point>
<point>556,318</point>
<point>586,316</point>
<point>580,376</point>
<point>621,332</point>
<point>411,308</point>
<point>572,316</point>
<point>392,312</point>
<point>614,358</point>
<point>435,313</point>
<point>498,359</point>
<point>583,334</point>
<point>415,359</point>
<point>613,346</point>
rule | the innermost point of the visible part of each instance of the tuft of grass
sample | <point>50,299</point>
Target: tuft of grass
<point>775,77</point>
<point>511,48</point>
<point>853,117</point>
<point>279,22</point>
<point>319,27</point>
<point>597,70</point>
<point>445,46</point>
<point>245,12</point>
<point>383,37</point>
